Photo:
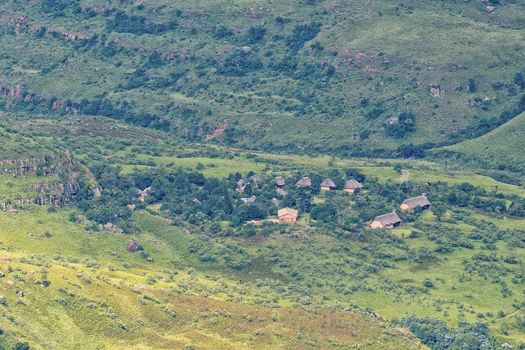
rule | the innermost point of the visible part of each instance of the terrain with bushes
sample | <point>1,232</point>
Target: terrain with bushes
<point>140,142</point>
<point>351,78</point>
<point>114,270</point>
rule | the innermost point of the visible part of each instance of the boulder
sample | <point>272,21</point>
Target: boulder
<point>490,9</point>
<point>436,91</point>
<point>133,246</point>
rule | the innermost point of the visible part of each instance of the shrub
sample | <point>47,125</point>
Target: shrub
<point>301,34</point>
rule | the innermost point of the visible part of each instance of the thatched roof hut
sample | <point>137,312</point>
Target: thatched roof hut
<point>352,185</point>
<point>389,220</point>
<point>304,182</point>
<point>412,203</point>
<point>328,184</point>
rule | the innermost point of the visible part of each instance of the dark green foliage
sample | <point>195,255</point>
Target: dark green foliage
<point>57,7</point>
<point>136,24</point>
<point>22,346</point>
<point>472,87</point>
<point>301,34</point>
<point>255,34</point>
<point>324,213</point>
<point>519,79</point>
<point>222,32</point>
<point>240,63</point>
<point>406,124</point>
<point>438,336</point>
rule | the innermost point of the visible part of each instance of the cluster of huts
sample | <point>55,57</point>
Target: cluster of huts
<point>290,216</point>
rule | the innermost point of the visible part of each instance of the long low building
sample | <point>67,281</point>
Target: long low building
<point>412,203</point>
<point>389,220</point>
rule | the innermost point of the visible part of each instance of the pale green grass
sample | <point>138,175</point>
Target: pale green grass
<point>503,145</point>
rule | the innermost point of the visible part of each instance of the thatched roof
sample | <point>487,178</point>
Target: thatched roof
<point>304,182</point>
<point>255,178</point>
<point>241,184</point>
<point>388,219</point>
<point>328,183</point>
<point>279,181</point>
<point>420,201</point>
<point>287,211</point>
<point>249,200</point>
<point>353,185</point>
<point>281,192</point>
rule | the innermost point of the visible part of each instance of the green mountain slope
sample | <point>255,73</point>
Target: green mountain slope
<point>458,265</point>
<point>296,74</point>
<point>503,146</point>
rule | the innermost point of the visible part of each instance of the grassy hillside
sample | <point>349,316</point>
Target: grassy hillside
<point>301,75</point>
<point>503,146</point>
<point>251,286</point>
<point>69,289</point>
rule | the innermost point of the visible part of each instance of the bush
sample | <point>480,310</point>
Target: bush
<point>255,34</point>
<point>301,34</point>
<point>406,124</point>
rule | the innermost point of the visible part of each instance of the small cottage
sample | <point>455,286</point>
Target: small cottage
<point>304,182</point>
<point>288,215</point>
<point>279,181</point>
<point>328,185</point>
<point>241,185</point>
<point>255,179</point>
<point>143,195</point>
<point>390,220</point>
<point>281,192</point>
<point>412,203</point>
<point>249,200</point>
<point>352,185</point>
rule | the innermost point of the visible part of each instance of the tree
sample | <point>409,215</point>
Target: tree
<point>22,346</point>
<point>439,209</point>
<point>406,124</point>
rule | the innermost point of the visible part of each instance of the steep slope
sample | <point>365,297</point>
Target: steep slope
<point>344,76</point>
<point>35,171</point>
<point>502,147</point>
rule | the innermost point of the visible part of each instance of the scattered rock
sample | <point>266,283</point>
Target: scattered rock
<point>392,121</point>
<point>436,91</point>
<point>133,246</point>
<point>246,49</point>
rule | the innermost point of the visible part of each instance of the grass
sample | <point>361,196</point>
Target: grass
<point>104,297</point>
<point>502,146</point>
